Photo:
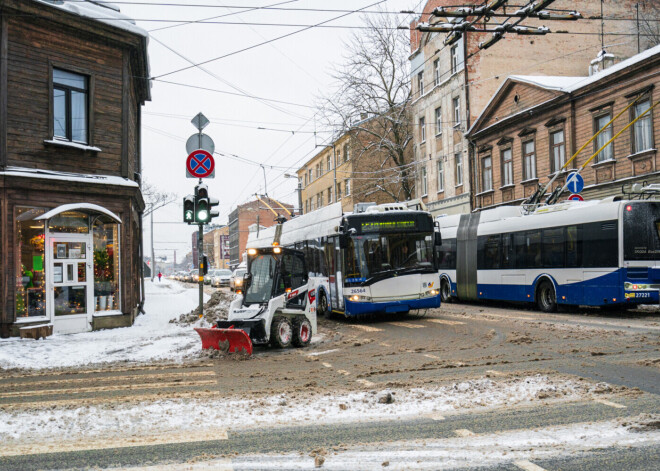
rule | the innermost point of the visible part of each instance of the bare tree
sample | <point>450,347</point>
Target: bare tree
<point>372,103</point>
<point>154,198</point>
<point>649,23</point>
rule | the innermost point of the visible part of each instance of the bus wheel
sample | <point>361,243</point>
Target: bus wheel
<point>302,332</point>
<point>281,332</point>
<point>545,297</point>
<point>445,291</point>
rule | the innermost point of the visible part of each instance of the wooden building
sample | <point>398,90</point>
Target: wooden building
<point>73,77</point>
<point>534,124</point>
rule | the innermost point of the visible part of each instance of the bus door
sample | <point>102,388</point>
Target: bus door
<point>336,280</point>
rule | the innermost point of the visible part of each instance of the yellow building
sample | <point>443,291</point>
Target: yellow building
<point>326,177</point>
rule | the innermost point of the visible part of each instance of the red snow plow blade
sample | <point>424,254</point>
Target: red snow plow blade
<point>226,340</point>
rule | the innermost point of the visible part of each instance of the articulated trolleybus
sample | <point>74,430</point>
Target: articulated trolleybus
<point>377,261</point>
<point>592,253</point>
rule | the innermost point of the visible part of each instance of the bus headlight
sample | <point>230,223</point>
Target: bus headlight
<point>433,292</point>
<point>356,298</point>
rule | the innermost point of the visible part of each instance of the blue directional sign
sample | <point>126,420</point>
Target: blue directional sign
<point>575,183</point>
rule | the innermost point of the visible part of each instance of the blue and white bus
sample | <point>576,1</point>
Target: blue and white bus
<point>377,261</point>
<point>592,253</point>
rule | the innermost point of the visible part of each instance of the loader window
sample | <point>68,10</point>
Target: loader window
<point>262,269</point>
<point>292,273</point>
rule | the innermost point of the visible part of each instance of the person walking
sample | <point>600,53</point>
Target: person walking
<point>160,275</point>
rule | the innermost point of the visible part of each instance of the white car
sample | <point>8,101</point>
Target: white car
<point>236,281</point>
<point>221,277</point>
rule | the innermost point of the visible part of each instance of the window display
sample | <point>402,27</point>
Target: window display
<point>106,266</point>
<point>30,275</point>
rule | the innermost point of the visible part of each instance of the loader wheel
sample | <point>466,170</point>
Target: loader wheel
<point>322,305</point>
<point>281,332</point>
<point>302,332</point>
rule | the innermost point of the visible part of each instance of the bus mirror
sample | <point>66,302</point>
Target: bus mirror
<point>343,241</point>
<point>438,239</point>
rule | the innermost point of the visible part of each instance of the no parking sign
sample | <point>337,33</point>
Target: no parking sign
<point>200,164</point>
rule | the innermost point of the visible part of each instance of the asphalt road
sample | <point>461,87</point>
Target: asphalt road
<point>454,343</point>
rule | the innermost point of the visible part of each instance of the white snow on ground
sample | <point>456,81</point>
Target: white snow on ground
<point>482,450</point>
<point>180,415</point>
<point>151,338</point>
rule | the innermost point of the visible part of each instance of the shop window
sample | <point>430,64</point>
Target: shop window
<point>106,266</point>
<point>30,275</point>
<point>69,222</point>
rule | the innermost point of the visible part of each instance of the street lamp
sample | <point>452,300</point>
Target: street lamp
<point>299,190</point>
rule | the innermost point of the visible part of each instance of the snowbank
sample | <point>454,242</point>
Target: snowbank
<point>151,338</point>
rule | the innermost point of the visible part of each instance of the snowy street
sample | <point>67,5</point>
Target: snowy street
<point>461,387</point>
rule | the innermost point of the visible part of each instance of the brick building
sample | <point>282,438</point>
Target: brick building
<point>534,124</point>
<point>216,247</point>
<point>73,77</point>
<point>449,92</point>
<point>245,215</point>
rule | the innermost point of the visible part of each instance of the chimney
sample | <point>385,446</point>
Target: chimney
<point>602,61</point>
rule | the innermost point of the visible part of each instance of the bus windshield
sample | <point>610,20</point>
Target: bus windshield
<point>262,269</point>
<point>379,254</point>
<point>641,231</point>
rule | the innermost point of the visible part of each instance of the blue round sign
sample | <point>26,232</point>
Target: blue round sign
<point>575,182</point>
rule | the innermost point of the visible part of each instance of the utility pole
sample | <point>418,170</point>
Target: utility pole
<point>153,258</point>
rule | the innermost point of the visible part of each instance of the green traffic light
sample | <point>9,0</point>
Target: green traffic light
<point>202,215</point>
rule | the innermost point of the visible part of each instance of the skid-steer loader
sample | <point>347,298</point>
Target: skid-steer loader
<point>276,306</point>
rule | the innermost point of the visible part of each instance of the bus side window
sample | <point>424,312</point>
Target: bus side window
<point>520,246</point>
<point>600,244</point>
<point>553,247</point>
<point>573,247</point>
<point>488,252</point>
<point>507,251</point>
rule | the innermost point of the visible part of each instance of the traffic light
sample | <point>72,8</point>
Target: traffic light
<point>189,209</point>
<point>203,205</point>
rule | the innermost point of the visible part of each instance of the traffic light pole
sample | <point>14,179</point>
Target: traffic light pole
<point>200,267</point>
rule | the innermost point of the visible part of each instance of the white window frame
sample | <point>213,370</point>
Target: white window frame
<point>507,166</point>
<point>422,129</point>
<point>423,181</point>
<point>441,175</point>
<point>643,128</point>
<point>487,173</point>
<point>453,54</point>
<point>557,161</point>
<point>457,111</point>
<point>420,83</point>
<point>458,168</point>
<point>438,121</point>
<point>436,72</point>
<point>529,160</point>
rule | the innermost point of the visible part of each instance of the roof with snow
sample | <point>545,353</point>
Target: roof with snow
<point>561,84</point>
<point>103,12</point>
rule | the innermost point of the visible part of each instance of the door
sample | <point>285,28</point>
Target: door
<point>70,286</point>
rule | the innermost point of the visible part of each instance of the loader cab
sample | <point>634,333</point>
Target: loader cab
<point>272,272</point>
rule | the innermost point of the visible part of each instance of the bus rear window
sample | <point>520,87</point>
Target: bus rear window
<point>641,231</point>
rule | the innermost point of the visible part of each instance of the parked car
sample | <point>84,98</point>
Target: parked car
<point>192,276</point>
<point>236,280</point>
<point>221,277</point>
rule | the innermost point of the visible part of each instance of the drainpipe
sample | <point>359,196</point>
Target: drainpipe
<point>141,265</point>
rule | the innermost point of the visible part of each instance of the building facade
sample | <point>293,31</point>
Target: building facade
<point>535,124</point>
<point>326,177</point>
<point>216,247</point>
<point>255,212</point>
<point>452,84</point>
<point>72,82</point>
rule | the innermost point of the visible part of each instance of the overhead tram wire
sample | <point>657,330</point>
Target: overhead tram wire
<point>219,16</point>
<point>220,153</point>
<point>268,41</point>
<point>226,82</point>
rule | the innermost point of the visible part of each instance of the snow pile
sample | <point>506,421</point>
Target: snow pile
<point>179,415</point>
<point>215,309</point>
<point>151,338</point>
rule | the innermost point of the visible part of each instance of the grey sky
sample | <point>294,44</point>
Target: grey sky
<point>294,69</point>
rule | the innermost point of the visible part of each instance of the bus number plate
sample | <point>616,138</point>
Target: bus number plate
<point>358,290</point>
